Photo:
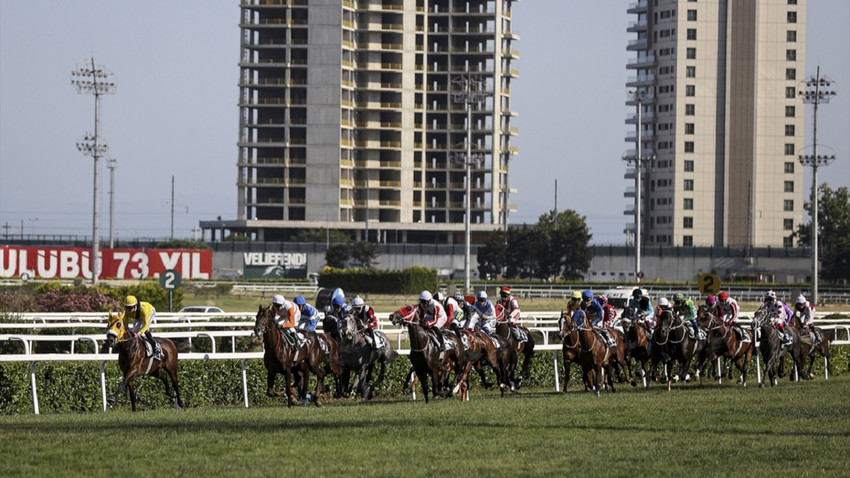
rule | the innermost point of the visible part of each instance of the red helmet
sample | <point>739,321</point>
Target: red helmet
<point>603,299</point>
<point>722,296</point>
<point>505,291</point>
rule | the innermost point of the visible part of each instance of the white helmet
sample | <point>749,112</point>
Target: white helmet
<point>770,295</point>
<point>481,295</point>
<point>801,299</point>
<point>438,296</point>
<point>357,302</point>
<point>663,302</point>
<point>278,299</point>
<point>425,295</point>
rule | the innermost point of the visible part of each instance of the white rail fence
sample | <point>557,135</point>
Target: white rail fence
<point>233,326</point>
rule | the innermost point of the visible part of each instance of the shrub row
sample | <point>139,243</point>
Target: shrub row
<point>407,281</point>
<point>75,386</point>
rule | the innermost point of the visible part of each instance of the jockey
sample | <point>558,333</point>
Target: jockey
<point>642,306</point>
<point>512,312</point>
<point>339,309</point>
<point>574,303</point>
<point>287,315</point>
<point>610,312</point>
<point>433,314</point>
<point>454,311</point>
<point>309,314</point>
<point>663,305</point>
<point>805,311</point>
<point>727,311</point>
<point>468,314</point>
<point>486,312</point>
<point>142,313</point>
<point>684,308</point>
<point>777,314</point>
<point>595,315</point>
<point>365,315</point>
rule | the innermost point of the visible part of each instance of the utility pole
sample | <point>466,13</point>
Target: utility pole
<point>111,163</point>
<point>638,96</point>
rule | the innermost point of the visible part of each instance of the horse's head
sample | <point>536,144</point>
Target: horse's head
<point>264,320</point>
<point>760,318</point>
<point>348,327</point>
<point>115,330</point>
<point>408,314</point>
<point>577,321</point>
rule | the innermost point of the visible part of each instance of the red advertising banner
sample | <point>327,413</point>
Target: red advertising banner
<point>75,262</point>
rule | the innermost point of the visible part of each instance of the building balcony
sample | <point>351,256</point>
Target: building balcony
<point>647,61</point>
<point>637,44</point>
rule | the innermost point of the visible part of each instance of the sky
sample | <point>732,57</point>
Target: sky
<point>174,114</point>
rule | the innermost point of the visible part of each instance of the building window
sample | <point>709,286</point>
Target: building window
<point>788,205</point>
<point>690,110</point>
<point>688,222</point>
<point>790,73</point>
<point>790,92</point>
<point>789,130</point>
<point>788,241</point>
<point>789,149</point>
<point>689,185</point>
<point>788,224</point>
<point>689,204</point>
<point>688,241</point>
<point>790,111</point>
<point>689,165</point>
<point>792,2</point>
<point>789,186</point>
<point>691,71</point>
<point>689,146</point>
<point>792,17</point>
<point>692,15</point>
<point>690,90</point>
<point>691,53</point>
<point>791,55</point>
<point>689,128</point>
<point>791,36</point>
<point>692,33</point>
<point>789,167</point>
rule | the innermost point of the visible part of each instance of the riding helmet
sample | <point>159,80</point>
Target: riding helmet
<point>482,295</point>
<point>770,296</point>
<point>357,303</point>
<point>602,299</point>
<point>505,291</point>
<point>278,299</point>
<point>459,298</point>
<point>722,296</point>
<point>637,293</point>
<point>439,297</point>
<point>425,296</point>
<point>130,301</point>
<point>710,301</point>
<point>576,295</point>
<point>663,303</point>
<point>678,297</point>
<point>299,300</point>
<point>338,301</point>
<point>801,300</point>
<point>587,295</point>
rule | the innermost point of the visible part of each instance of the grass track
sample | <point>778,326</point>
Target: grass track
<point>794,429</point>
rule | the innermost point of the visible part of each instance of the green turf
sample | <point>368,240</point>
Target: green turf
<point>794,429</point>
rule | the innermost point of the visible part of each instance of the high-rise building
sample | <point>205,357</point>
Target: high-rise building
<point>353,116</point>
<point>721,123</point>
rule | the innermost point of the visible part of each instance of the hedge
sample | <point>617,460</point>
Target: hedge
<point>407,281</point>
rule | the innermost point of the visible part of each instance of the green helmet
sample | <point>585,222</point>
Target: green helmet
<point>678,297</point>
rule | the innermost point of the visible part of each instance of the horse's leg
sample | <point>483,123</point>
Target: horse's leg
<point>131,387</point>
<point>175,384</point>
<point>567,362</point>
<point>287,378</point>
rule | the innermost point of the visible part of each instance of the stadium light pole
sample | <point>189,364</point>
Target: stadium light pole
<point>815,90</point>
<point>95,80</point>
<point>639,96</point>
<point>111,163</point>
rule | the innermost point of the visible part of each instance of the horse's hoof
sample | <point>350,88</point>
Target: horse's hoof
<point>761,385</point>
<point>634,384</point>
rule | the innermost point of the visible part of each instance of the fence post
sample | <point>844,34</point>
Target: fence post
<point>34,391</point>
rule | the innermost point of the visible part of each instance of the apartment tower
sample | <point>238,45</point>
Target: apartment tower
<point>353,116</point>
<point>721,123</point>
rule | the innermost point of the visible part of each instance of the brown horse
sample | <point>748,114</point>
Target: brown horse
<point>677,346</point>
<point>133,362</point>
<point>638,343</point>
<point>526,349</point>
<point>427,360</point>
<point>571,348</point>
<point>809,347</point>
<point>596,356</point>
<point>280,356</point>
<point>724,342</point>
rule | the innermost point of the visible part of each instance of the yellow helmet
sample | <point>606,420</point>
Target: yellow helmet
<point>130,301</point>
<point>576,295</point>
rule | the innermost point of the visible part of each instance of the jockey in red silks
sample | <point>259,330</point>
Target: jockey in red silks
<point>512,313</point>
<point>433,314</point>
<point>727,311</point>
<point>366,316</point>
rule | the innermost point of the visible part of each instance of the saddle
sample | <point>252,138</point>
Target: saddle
<point>155,352</point>
<point>607,339</point>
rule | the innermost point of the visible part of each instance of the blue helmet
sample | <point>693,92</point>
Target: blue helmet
<point>587,295</point>
<point>299,300</point>
<point>338,301</point>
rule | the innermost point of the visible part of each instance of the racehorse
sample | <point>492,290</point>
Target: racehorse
<point>425,356</point>
<point>133,362</point>
<point>677,345</point>
<point>773,349</point>
<point>356,354</point>
<point>638,343</point>
<point>808,347</point>
<point>280,356</point>
<point>724,342</point>
<point>571,348</point>
<point>526,349</point>
<point>596,356</point>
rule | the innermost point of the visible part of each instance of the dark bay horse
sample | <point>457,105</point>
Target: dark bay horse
<point>280,356</point>
<point>773,349</point>
<point>427,360</point>
<point>809,348</point>
<point>571,348</point>
<point>724,342</point>
<point>358,355</point>
<point>638,343</point>
<point>596,356</point>
<point>526,349</point>
<point>678,346</point>
<point>133,362</point>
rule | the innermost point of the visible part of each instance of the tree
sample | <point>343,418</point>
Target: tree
<point>492,255</point>
<point>334,236</point>
<point>568,237</point>
<point>833,232</point>
<point>337,256</point>
<point>357,254</point>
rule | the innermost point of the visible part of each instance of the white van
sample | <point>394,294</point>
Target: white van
<point>619,296</point>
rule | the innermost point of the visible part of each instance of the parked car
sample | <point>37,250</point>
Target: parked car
<point>200,309</point>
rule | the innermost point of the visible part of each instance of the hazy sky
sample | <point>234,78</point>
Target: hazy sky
<point>175,114</point>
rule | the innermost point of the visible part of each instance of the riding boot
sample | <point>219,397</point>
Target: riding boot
<point>440,338</point>
<point>371,334</point>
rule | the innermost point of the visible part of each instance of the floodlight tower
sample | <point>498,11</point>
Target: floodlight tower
<point>95,80</point>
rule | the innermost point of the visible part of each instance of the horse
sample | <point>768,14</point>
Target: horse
<point>596,356</point>
<point>677,345</point>
<point>571,348</point>
<point>425,356</point>
<point>280,356</point>
<point>723,342</point>
<point>638,343</point>
<point>809,348</point>
<point>773,348</point>
<point>133,362</point>
<point>356,354</point>
<point>526,349</point>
